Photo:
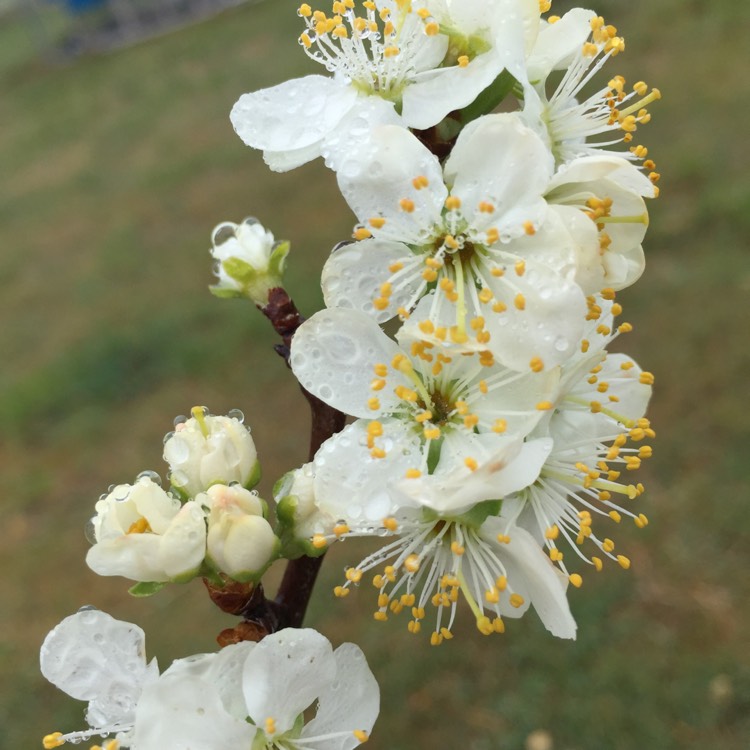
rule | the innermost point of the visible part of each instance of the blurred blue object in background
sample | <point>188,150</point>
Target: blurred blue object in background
<point>81,6</point>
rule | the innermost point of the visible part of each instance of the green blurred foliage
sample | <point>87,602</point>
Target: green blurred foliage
<point>115,168</point>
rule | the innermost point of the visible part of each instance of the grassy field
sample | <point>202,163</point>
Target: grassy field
<point>114,171</point>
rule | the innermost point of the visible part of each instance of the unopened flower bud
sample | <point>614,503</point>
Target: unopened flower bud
<point>241,543</point>
<point>249,261</point>
<point>206,450</point>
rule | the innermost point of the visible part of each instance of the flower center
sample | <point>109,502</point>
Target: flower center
<point>375,50</point>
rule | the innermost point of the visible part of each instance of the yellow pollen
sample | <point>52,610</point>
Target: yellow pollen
<point>380,616</point>
<point>500,426</point>
<point>304,10</point>
<point>624,562</point>
<point>407,205</point>
<point>457,549</point>
<point>411,564</point>
<point>413,473</point>
<point>354,575</point>
<point>503,539</point>
<point>141,526</point>
<point>391,51</point>
<point>452,202</point>
<point>552,532</point>
<point>529,228</point>
<point>520,267</point>
<point>361,233</point>
<point>575,580</point>
<point>270,726</point>
<point>377,222</point>
<point>462,61</point>
<point>373,403</point>
<point>471,463</point>
<point>377,385</point>
<point>361,735</point>
<point>536,364</point>
<point>484,626</point>
<point>420,182</point>
<point>432,28</point>
<point>516,600</point>
<point>545,406</point>
<point>615,516</point>
<point>492,236</point>
<point>486,208</point>
<point>53,740</point>
<point>319,541</point>
<point>390,523</point>
<point>340,529</point>
<point>598,564</point>
<point>555,555</point>
<point>520,301</point>
<point>306,41</point>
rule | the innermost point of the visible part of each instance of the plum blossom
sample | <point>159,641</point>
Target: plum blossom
<point>255,695</point>
<point>94,657</point>
<point>143,533</point>
<point>478,230</point>
<point>208,449</point>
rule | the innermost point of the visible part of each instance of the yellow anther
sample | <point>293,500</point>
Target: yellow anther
<point>555,555</point>
<point>391,51</point>
<point>520,267</point>
<point>411,564</point>
<point>477,323</point>
<point>304,10</point>
<point>485,295</point>
<point>432,28</point>
<point>486,359</point>
<point>377,385</point>
<point>405,394</point>
<point>340,592</point>
<point>624,562</point>
<point>373,403</point>
<point>598,564</point>
<point>575,580</point>
<point>341,32</point>
<point>544,5</point>
<point>391,524</point>
<point>498,626</point>
<point>407,600</point>
<point>457,549</point>
<point>354,575</point>
<point>641,521</point>
<point>503,538</point>
<point>590,50</point>
<point>377,453</point>
<point>529,228</point>
<point>520,301</point>
<point>414,626</point>
<point>270,725</point>
<point>615,516</point>
<point>446,633</point>
<point>647,378</point>
<point>141,526</point>
<point>516,600</point>
<point>420,182</point>
<point>492,236</point>
<point>501,583</point>
<point>499,426</point>
<point>462,60</point>
<point>413,473</point>
<point>374,428</point>
<point>340,529</point>
<point>536,364</point>
<point>390,573</point>
<point>377,222</point>
<point>435,639</point>
<point>484,626</point>
<point>486,208</point>
<point>362,233</point>
<point>380,616</point>
<point>545,406</point>
<point>383,600</point>
<point>53,740</point>
<point>431,433</point>
<point>608,545</point>
<point>361,735</point>
<point>306,41</point>
<point>471,421</point>
<point>407,205</point>
<point>492,595</point>
<point>453,202</point>
<point>418,613</point>
<point>553,532</point>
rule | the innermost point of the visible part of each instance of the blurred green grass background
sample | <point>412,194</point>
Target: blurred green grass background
<point>115,169</point>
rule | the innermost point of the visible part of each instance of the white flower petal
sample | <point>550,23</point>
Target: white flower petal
<point>352,485</point>
<point>183,545</point>
<point>354,273</point>
<point>375,180</point>
<point>284,674</point>
<point>293,115</point>
<point>350,702</point>
<point>333,356</point>
<point>186,713</point>
<point>557,43</point>
<point>134,556</point>
<point>533,575</point>
<point>284,161</point>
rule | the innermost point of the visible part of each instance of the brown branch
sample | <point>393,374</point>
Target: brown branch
<point>263,616</point>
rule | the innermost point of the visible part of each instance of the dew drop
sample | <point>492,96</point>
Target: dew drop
<point>150,475</point>
<point>89,531</point>
<point>236,414</point>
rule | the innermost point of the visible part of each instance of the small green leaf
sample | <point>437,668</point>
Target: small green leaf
<point>146,588</point>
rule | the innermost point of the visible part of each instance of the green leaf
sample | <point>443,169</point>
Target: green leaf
<point>146,588</point>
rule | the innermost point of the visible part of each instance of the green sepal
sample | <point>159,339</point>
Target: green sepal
<point>473,518</point>
<point>254,477</point>
<point>292,546</point>
<point>433,454</point>
<point>211,573</point>
<point>239,270</point>
<point>489,99</point>
<point>146,588</point>
<point>277,261</point>
<point>223,292</point>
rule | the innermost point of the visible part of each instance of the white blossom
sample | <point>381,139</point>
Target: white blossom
<point>255,695</point>
<point>207,449</point>
<point>93,657</point>
<point>143,533</point>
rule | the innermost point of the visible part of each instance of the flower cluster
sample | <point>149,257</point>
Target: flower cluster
<point>492,433</point>
<point>496,425</point>
<point>247,695</point>
<point>208,523</point>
